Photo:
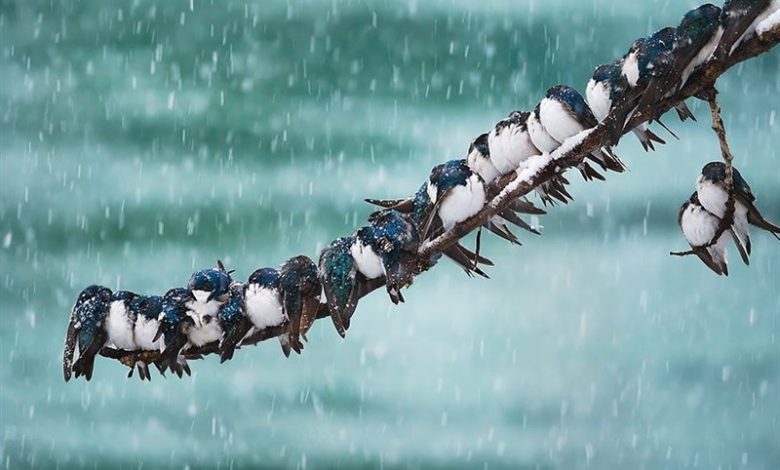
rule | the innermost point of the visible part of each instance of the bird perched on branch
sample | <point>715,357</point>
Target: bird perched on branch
<point>648,61</point>
<point>700,227</point>
<point>606,88</point>
<point>301,291</point>
<point>146,310</point>
<point>120,321</point>
<point>739,20</point>
<point>560,115</point>
<point>233,320</point>
<point>713,195</point>
<point>175,324</point>
<point>86,330</point>
<point>209,289</point>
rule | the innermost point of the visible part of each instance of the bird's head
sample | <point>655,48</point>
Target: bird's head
<point>209,284</point>
<point>265,277</point>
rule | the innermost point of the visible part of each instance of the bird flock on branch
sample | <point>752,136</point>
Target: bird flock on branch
<point>217,313</point>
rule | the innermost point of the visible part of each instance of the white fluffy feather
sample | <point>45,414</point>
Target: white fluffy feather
<point>119,326</point>
<point>510,147</point>
<point>145,329</point>
<point>699,226</point>
<point>631,69</point>
<point>264,306</point>
<point>539,136</point>
<point>557,120</point>
<point>367,260</point>
<point>462,202</point>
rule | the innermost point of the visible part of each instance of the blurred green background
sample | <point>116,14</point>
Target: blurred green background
<point>142,140</point>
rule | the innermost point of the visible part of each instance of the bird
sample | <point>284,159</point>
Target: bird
<point>209,289</point>
<point>699,228</point>
<point>420,207</point>
<point>713,195</point>
<point>396,240</point>
<point>647,60</point>
<point>301,291</point>
<point>233,321</point>
<point>175,323</point>
<point>564,113</point>
<point>698,36</point>
<point>739,20</point>
<point>605,89</point>
<point>120,321</point>
<point>456,192</point>
<point>262,310</point>
<point>481,161</point>
<point>85,331</point>
<point>146,310</point>
<point>544,141</point>
<point>341,280</point>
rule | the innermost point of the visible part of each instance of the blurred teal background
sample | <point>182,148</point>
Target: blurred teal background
<point>142,140</point>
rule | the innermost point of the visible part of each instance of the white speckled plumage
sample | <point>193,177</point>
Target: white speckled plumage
<point>120,326</point>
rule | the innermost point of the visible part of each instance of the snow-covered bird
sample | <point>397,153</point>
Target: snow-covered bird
<point>146,311</point>
<point>86,331</point>
<point>713,195</point>
<point>740,19</point>
<point>301,291</point>
<point>210,289</point>
<point>263,309</point>
<point>648,60</point>
<point>395,239</point>
<point>604,90</point>
<point>480,159</point>
<point>120,322</point>
<point>699,228</point>
<point>562,122</point>
<point>233,320</point>
<point>341,281</point>
<point>175,323</point>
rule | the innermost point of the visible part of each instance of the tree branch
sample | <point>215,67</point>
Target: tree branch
<point>508,188</point>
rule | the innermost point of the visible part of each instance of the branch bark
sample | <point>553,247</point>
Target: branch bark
<point>508,188</point>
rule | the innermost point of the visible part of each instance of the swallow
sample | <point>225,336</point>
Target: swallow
<point>175,323</point>
<point>210,289</point>
<point>234,321</point>
<point>605,89</point>
<point>739,19</point>
<point>301,291</point>
<point>341,280</point>
<point>86,331</point>
<point>396,240</point>
<point>120,322</point>
<point>146,310</point>
<point>713,194</point>
<point>699,227</point>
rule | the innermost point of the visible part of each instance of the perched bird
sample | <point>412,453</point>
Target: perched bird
<point>209,289</point>
<point>699,228</point>
<point>395,239</point>
<point>146,311</point>
<point>262,310</point>
<point>120,322</point>
<point>456,192</point>
<point>713,195</point>
<point>564,113</point>
<point>301,291</point>
<point>739,20</point>
<point>545,142</point>
<point>480,159</point>
<point>645,66</point>
<point>86,331</point>
<point>342,280</point>
<point>233,321</point>
<point>605,89</point>
<point>698,35</point>
<point>175,323</point>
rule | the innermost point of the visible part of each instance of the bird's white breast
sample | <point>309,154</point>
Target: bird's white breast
<point>597,94</point>
<point>631,69</point>
<point>462,202</point>
<point>145,329</point>
<point>202,307</point>
<point>698,225</point>
<point>770,11</point>
<point>539,136</point>
<point>558,120</point>
<point>713,197</point>
<point>263,307</point>
<point>206,332</point>
<point>119,326</point>
<point>513,146</point>
<point>367,261</point>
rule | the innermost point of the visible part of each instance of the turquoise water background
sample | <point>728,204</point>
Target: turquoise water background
<point>142,140</point>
